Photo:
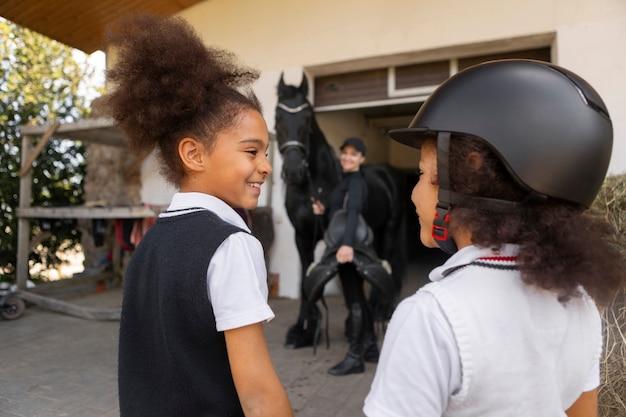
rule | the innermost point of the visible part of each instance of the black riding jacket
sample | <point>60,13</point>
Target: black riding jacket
<point>350,193</point>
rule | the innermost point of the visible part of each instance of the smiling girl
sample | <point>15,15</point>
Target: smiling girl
<point>195,294</point>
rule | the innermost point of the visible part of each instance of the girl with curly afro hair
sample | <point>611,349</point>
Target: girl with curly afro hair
<point>512,153</point>
<point>195,292</point>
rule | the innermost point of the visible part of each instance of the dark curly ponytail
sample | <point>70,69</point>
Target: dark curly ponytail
<point>168,85</point>
<point>562,247</point>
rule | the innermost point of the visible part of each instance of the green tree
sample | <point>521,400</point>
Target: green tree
<point>40,81</point>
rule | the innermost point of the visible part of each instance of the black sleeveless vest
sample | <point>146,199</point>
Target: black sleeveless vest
<point>172,360</point>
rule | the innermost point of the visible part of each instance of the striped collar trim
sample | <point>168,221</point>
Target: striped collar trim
<point>497,260</point>
<point>501,264</point>
<point>504,257</point>
<point>190,202</point>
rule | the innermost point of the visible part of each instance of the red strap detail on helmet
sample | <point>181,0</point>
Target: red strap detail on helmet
<point>441,232</point>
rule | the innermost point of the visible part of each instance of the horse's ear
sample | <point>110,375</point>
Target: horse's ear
<point>281,82</point>
<point>304,85</point>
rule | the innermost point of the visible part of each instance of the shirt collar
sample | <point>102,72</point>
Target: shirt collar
<point>182,201</point>
<point>468,255</point>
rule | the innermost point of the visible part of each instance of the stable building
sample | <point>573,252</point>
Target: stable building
<point>370,65</point>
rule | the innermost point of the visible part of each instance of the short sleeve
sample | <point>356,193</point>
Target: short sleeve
<point>419,367</point>
<point>593,379</point>
<point>237,283</point>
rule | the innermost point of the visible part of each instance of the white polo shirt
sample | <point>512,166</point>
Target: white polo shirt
<point>236,277</point>
<point>420,368</point>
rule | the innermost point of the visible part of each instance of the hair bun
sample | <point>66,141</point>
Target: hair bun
<point>166,79</point>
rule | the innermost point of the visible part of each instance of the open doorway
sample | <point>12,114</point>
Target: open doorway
<point>372,124</point>
<point>421,260</point>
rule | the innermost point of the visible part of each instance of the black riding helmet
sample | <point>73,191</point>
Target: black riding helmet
<point>549,127</point>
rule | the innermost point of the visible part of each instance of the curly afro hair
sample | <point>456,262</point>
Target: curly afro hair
<point>169,85</point>
<point>562,248</point>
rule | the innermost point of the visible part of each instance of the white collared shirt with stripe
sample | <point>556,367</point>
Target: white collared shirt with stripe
<point>420,371</point>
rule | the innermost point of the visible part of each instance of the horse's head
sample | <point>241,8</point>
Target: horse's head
<point>294,116</point>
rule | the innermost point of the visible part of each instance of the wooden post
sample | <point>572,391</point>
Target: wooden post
<point>23,224</point>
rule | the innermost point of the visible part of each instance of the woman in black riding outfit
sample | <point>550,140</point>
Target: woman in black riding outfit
<point>351,194</point>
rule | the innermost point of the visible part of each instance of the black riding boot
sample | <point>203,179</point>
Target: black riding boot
<point>353,362</point>
<point>370,348</point>
<point>370,345</point>
<point>302,334</point>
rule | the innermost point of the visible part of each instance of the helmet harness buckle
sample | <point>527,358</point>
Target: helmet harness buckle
<point>441,223</point>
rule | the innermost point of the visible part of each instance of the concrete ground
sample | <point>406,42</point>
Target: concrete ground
<point>58,366</point>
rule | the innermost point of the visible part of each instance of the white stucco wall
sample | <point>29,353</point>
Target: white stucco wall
<point>590,34</point>
<point>284,33</point>
<point>274,35</point>
<point>154,189</point>
<point>595,51</point>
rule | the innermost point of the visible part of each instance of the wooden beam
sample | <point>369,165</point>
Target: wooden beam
<point>81,124</point>
<point>435,54</point>
<point>32,155</point>
<point>80,212</point>
<point>100,130</point>
<point>88,313</point>
<point>80,283</point>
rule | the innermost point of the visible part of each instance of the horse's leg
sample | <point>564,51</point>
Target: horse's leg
<point>302,333</point>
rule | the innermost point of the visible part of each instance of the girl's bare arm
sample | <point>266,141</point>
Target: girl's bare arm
<point>260,391</point>
<point>585,406</point>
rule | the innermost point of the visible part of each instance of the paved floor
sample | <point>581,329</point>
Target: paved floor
<point>58,366</point>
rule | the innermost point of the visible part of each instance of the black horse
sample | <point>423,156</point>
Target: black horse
<point>311,171</point>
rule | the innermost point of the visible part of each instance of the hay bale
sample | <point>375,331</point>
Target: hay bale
<point>611,204</point>
<point>612,393</point>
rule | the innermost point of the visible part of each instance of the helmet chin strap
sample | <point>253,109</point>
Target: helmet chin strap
<point>441,223</point>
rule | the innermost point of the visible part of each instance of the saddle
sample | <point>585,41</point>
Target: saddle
<point>374,270</point>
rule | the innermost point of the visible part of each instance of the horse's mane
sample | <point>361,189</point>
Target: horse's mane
<point>322,160</point>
